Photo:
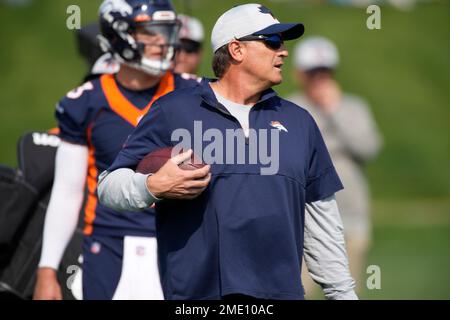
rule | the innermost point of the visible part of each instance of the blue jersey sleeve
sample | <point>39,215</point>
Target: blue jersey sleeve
<point>322,179</point>
<point>73,114</point>
<point>152,133</point>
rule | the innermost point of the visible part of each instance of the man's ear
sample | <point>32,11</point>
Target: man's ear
<point>236,50</point>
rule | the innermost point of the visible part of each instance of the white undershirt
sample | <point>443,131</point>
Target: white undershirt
<point>324,250</point>
<point>239,111</point>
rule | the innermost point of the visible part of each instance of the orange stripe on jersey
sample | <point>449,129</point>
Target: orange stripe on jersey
<point>91,203</point>
<point>123,107</point>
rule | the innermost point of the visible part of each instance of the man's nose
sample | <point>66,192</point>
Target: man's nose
<point>283,52</point>
<point>160,40</point>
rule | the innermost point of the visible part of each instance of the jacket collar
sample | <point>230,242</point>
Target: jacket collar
<point>209,97</point>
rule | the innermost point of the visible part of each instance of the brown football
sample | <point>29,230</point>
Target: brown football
<point>153,161</point>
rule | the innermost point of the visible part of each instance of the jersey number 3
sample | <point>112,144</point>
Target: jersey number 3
<point>77,92</point>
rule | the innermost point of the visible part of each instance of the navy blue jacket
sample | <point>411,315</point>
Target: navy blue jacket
<point>244,233</point>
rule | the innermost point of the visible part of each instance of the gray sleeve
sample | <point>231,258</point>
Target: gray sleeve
<point>124,190</point>
<point>356,128</point>
<point>324,250</point>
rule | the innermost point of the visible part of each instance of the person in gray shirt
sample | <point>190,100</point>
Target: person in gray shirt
<point>352,138</point>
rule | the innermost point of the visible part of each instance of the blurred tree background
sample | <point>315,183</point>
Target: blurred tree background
<point>403,70</point>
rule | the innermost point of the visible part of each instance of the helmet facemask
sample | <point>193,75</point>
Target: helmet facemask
<point>157,50</point>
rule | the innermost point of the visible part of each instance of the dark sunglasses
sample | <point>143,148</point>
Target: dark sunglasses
<point>189,46</point>
<point>273,41</point>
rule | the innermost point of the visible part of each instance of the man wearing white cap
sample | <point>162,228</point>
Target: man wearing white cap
<point>239,230</point>
<point>350,134</point>
<point>189,53</point>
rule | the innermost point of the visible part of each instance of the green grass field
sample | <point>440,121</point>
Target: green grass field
<point>403,70</point>
<point>411,247</point>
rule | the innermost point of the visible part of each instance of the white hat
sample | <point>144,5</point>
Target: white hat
<point>316,52</point>
<point>251,19</point>
<point>191,28</point>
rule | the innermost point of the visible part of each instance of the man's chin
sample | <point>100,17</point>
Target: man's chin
<point>277,81</point>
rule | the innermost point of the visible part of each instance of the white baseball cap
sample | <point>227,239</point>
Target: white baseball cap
<point>316,52</point>
<point>251,19</point>
<point>191,28</point>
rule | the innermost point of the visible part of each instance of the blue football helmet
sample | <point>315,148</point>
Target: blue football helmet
<point>119,19</point>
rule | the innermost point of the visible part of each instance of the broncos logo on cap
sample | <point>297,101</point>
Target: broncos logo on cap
<point>264,9</point>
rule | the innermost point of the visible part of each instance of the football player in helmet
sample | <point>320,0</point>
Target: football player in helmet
<point>140,34</point>
<point>119,249</point>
